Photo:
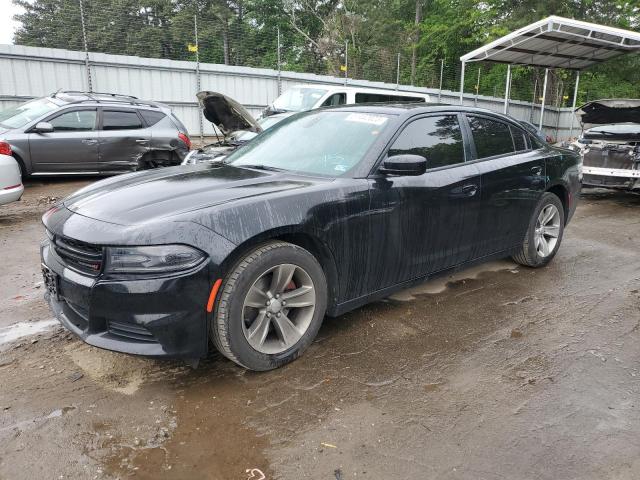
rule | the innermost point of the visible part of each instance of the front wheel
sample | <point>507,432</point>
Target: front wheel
<point>271,306</point>
<point>544,234</point>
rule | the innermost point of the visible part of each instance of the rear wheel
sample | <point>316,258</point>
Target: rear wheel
<point>271,306</point>
<point>544,234</point>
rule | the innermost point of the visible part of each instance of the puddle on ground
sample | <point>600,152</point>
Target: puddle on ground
<point>24,329</point>
<point>439,285</point>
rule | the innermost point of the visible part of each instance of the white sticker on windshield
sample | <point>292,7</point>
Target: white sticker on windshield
<point>367,118</point>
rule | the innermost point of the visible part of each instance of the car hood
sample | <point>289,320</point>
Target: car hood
<point>226,114</point>
<point>169,192</point>
<point>607,112</point>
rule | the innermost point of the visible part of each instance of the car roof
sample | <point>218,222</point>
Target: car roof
<point>410,109</point>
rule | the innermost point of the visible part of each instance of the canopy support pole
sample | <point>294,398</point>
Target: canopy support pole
<point>544,97</point>
<point>507,90</point>
<point>575,100</point>
<point>464,64</point>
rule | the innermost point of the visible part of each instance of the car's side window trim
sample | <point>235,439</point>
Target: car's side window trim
<point>407,122</point>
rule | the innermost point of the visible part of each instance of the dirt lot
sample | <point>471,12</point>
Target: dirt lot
<point>499,373</point>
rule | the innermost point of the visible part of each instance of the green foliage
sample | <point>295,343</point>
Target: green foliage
<point>315,34</point>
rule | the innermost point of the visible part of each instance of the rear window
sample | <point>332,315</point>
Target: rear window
<point>120,120</point>
<point>151,117</point>
<point>491,137</point>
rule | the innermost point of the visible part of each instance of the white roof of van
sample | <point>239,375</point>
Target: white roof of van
<point>342,88</point>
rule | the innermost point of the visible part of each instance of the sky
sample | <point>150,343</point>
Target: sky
<point>9,10</point>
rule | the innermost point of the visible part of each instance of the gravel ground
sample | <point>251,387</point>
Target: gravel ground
<point>499,372</point>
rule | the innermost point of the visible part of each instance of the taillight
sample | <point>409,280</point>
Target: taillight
<point>5,149</point>
<point>185,139</point>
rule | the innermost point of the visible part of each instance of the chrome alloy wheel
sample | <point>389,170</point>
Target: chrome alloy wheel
<point>547,230</point>
<point>278,309</point>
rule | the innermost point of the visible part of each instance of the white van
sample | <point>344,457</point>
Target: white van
<point>300,98</point>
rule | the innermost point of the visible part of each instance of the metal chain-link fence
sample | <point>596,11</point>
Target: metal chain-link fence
<point>265,36</point>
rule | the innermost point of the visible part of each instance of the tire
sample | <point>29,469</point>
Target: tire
<point>258,336</point>
<point>532,253</point>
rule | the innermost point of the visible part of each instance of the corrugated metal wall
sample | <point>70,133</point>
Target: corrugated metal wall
<point>30,72</point>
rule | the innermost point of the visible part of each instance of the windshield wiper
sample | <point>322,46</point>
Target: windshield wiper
<point>262,167</point>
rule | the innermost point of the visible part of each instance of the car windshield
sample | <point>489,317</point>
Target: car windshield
<point>326,143</point>
<point>266,122</point>
<point>299,99</point>
<point>22,114</point>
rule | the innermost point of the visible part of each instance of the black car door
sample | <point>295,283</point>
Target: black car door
<point>423,224</point>
<point>513,178</point>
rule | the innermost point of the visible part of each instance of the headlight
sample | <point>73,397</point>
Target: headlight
<point>161,258</point>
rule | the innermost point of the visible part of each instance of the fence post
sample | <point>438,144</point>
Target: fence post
<point>441,75</point>
<point>198,84</point>
<point>533,100</point>
<point>346,62</point>
<point>398,74</point>
<point>507,91</point>
<point>86,48</point>
<point>279,66</point>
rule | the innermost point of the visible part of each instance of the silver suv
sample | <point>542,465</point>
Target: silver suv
<point>92,133</point>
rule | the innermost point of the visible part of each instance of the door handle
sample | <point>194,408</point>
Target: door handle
<point>142,141</point>
<point>536,170</point>
<point>89,141</point>
<point>469,190</point>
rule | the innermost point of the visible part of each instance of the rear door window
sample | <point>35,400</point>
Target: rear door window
<point>74,121</point>
<point>491,137</point>
<point>437,138</point>
<point>120,120</point>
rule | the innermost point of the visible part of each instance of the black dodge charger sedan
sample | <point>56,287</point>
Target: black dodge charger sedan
<point>322,213</point>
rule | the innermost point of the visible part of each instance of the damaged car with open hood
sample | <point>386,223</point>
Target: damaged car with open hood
<point>610,143</point>
<point>233,121</point>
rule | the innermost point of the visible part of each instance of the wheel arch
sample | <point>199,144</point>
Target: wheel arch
<point>294,235</point>
<point>23,167</point>
<point>562,193</point>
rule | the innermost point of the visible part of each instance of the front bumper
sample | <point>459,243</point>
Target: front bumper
<point>158,317</point>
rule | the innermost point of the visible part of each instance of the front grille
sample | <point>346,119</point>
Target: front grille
<point>131,331</point>
<point>79,256</point>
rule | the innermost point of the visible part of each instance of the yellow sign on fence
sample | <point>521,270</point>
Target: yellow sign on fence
<point>193,48</point>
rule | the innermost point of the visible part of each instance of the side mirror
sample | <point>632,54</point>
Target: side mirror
<point>404,165</point>
<point>43,127</point>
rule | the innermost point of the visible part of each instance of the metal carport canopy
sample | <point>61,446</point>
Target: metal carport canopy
<point>555,42</point>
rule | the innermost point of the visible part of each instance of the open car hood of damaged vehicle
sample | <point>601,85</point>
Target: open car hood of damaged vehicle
<point>226,114</point>
<point>609,112</point>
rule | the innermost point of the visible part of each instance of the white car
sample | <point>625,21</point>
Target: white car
<point>11,187</point>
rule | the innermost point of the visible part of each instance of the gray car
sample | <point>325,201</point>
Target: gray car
<point>92,133</point>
